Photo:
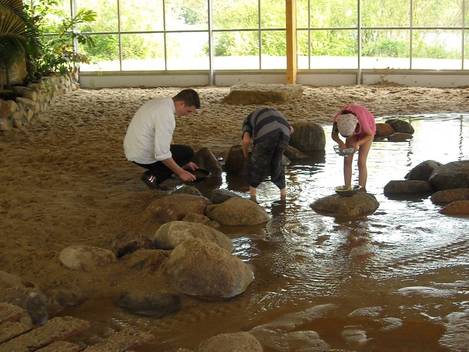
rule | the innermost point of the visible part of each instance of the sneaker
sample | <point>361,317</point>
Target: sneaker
<point>150,181</point>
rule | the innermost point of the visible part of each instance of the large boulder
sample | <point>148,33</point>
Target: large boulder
<point>171,234</point>
<point>154,304</point>
<point>457,208</point>
<point>401,126</point>
<point>395,187</point>
<point>423,170</point>
<point>452,175</point>
<point>230,342</point>
<point>176,207</point>
<point>235,163</point>
<point>450,195</point>
<point>358,205</point>
<point>205,159</point>
<point>204,269</point>
<point>236,212</point>
<point>399,137</point>
<point>308,137</point>
<point>258,93</point>
<point>220,195</point>
<point>384,130</point>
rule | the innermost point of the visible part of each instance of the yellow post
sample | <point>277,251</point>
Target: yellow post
<point>291,40</point>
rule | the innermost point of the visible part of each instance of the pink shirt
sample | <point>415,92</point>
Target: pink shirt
<point>366,120</point>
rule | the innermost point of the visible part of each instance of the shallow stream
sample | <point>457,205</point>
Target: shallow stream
<point>406,258</point>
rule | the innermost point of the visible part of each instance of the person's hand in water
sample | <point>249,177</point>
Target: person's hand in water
<point>190,166</point>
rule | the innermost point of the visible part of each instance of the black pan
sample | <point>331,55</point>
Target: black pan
<point>201,174</point>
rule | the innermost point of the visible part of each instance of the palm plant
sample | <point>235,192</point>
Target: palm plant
<point>13,36</point>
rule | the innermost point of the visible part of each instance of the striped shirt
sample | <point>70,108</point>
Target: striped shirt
<point>263,122</point>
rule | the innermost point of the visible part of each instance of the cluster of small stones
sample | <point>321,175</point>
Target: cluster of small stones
<point>34,99</point>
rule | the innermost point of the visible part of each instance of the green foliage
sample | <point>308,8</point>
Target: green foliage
<point>334,24</point>
<point>55,52</point>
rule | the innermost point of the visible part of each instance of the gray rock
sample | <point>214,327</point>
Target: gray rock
<point>16,291</point>
<point>237,212</point>
<point>308,137</point>
<point>205,159</point>
<point>452,175</point>
<point>258,93</point>
<point>423,170</point>
<point>399,137</point>
<point>85,258</point>
<point>358,205</point>
<point>220,195</point>
<point>173,233</point>
<point>235,163</point>
<point>401,126</point>
<point>231,342</point>
<point>206,270</point>
<point>450,195</point>
<point>157,304</point>
<point>407,187</point>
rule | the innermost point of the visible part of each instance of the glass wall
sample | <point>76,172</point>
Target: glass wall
<point>146,35</point>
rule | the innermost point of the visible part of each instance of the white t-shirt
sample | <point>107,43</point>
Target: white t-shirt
<point>150,132</point>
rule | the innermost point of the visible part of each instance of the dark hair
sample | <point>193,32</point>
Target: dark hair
<point>189,96</point>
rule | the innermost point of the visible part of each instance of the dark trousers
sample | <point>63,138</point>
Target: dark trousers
<point>182,154</point>
<point>266,160</point>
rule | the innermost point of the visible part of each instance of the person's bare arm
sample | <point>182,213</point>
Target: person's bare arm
<point>184,175</point>
<point>335,137</point>
<point>246,142</point>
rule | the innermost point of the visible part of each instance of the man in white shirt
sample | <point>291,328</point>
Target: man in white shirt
<point>147,142</point>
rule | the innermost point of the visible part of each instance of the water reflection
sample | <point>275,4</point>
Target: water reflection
<point>302,259</point>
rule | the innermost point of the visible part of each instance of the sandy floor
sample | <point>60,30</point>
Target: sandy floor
<point>64,179</point>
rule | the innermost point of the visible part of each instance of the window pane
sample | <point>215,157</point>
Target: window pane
<point>334,49</point>
<point>236,50</point>
<point>186,14</point>
<point>141,15</point>
<point>436,49</point>
<point>104,55</point>
<point>274,50</point>
<point>239,14</point>
<point>143,51</point>
<point>187,51</point>
<point>434,13</point>
<point>466,50</point>
<point>106,15</point>
<point>385,49</point>
<point>382,13</point>
<point>302,13</point>
<point>302,49</point>
<point>273,14</point>
<point>333,13</point>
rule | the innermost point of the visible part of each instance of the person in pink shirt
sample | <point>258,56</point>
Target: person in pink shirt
<point>357,125</point>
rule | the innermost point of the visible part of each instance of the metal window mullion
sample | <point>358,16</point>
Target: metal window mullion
<point>411,33</point>
<point>359,39</point>
<point>119,38</point>
<point>259,33</point>
<point>210,43</point>
<point>309,34</point>
<point>164,37</point>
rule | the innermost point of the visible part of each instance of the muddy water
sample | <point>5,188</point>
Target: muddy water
<point>406,260</point>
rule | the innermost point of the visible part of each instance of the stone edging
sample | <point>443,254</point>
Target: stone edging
<point>34,99</point>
